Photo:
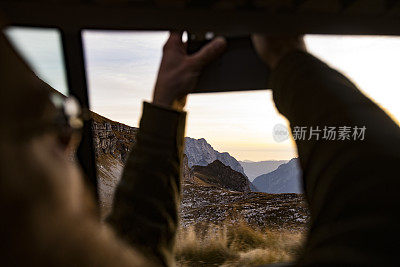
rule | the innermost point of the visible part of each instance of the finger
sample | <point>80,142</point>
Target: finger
<point>208,53</point>
<point>174,40</point>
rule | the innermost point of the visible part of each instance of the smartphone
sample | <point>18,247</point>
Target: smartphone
<point>239,68</point>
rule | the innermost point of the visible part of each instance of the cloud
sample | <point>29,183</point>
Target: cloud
<point>122,68</point>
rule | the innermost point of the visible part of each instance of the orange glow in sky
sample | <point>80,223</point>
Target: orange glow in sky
<point>122,68</point>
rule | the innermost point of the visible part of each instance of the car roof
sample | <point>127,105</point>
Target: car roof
<point>236,17</point>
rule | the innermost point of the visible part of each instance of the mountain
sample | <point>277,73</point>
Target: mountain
<point>201,153</point>
<point>285,179</point>
<point>253,169</point>
<point>218,174</point>
<point>112,138</point>
<point>211,194</point>
<point>112,142</point>
<point>253,188</point>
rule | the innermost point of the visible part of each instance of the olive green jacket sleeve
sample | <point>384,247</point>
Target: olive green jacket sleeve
<point>351,185</point>
<point>146,201</point>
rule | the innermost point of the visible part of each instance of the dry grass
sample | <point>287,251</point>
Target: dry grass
<point>235,245</point>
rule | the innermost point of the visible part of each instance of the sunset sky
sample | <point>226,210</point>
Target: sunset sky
<point>122,68</point>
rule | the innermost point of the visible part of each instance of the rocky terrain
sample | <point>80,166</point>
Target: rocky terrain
<point>285,179</point>
<point>201,153</point>
<point>112,137</point>
<point>112,141</point>
<point>220,175</point>
<point>207,204</point>
<point>214,193</point>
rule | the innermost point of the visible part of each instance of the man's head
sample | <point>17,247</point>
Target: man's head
<point>39,183</point>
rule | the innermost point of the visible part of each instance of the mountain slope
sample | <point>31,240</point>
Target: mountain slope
<point>111,137</point>
<point>253,169</point>
<point>218,174</point>
<point>285,179</point>
<point>212,205</point>
<point>112,141</point>
<point>201,153</point>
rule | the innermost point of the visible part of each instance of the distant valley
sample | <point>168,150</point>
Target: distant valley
<point>253,169</point>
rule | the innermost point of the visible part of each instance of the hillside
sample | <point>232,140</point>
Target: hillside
<point>201,153</point>
<point>202,204</point>
<point>111,137</point>
<point>112,141</point>
<point>285,179</point>
<point>254,169</point>
<point>214,193</point>
<point>216,173</point>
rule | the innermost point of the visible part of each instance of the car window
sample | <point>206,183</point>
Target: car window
<point>41,48</point>
<point>242,192</point>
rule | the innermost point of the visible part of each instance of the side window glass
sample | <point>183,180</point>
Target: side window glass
<point>41,48</point>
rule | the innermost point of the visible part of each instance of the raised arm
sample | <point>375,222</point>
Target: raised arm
<point>145,211</point>
<point>351,185</point>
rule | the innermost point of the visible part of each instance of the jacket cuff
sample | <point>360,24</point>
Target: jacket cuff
<point>163,123</point>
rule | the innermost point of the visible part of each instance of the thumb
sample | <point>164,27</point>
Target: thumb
<point>208,53</point>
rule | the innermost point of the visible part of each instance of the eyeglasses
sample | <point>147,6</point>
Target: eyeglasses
<point>69,117</point>
<point>69,112</point>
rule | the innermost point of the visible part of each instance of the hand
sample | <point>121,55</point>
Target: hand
<point>178,72</point>
<point>272,49</point>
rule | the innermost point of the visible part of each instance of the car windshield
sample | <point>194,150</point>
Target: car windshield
<point>41,48</point>
<point>239,136</point>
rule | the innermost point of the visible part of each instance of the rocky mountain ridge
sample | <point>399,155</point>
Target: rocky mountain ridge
<point>218,174</point>
<point>285,179</point>
<point>201,153</point>
<point>113,138</point>
<point>210,198</point>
